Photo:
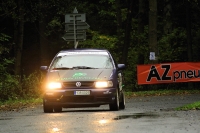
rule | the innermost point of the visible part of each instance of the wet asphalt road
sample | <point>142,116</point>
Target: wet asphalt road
<point>142,115</point>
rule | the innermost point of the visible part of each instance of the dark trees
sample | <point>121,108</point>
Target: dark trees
<point>140,30</point>
<point>167,17</point>
<point>43,40</point>
<point>188,30</point>
<point>129,28</point>
<point>19,37</point>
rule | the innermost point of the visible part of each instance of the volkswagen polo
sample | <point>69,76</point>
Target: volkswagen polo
<point>83,78</point>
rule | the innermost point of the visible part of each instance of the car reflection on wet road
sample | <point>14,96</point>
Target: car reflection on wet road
<point>142,115</point>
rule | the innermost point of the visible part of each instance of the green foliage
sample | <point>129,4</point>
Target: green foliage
<point>172,47</point>
<point>8,8</point>
<point>99,41</point>
<point>54,26</point>
<point>6,80</point>
<point>195,44</point>
<point>107,12</point>
<point>16,87</point>
<point>29,86</point>
<point>138,47</point>
<point>192,106</point>
<point>3,38</point>
<point>11,86</point>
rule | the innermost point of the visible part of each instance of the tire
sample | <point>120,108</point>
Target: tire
<point>47,108</point>
<point>57,109</point>
<point>122,102</point>
<point>115,106</point>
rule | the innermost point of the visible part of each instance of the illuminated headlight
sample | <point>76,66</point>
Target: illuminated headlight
<point>103,84</point>
<point>54,85</point>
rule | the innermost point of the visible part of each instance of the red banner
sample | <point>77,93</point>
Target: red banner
<point>168,73</point>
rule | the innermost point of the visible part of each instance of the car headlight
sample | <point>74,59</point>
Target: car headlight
<point>103,84</point>
<point>53,85</point>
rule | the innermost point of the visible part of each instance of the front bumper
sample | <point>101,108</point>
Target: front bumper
<point>67,98</point>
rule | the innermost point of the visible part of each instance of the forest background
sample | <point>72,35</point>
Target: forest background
<point>31,34</point>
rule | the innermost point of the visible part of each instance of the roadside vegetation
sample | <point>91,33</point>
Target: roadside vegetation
<point>161,93</point>
<point>20,92</point>
<point>15,105</point>
<point>192,106</point>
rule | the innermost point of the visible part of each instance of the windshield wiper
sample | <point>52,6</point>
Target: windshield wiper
<point>61,68</point>
<point>83,67</point>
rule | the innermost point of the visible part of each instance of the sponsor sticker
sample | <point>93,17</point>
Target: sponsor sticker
<point>79,74</point>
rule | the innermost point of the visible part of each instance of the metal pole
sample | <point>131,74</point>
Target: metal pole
<point>74,31</point>
<point>76,44</point>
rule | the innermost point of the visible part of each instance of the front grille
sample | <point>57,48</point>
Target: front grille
<point>102,99</point>
<point>83,84</point>
<point>78,99</point>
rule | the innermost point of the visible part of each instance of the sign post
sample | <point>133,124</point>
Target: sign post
<point>75,27</point>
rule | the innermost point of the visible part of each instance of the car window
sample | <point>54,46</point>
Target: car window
<point>93,61</point>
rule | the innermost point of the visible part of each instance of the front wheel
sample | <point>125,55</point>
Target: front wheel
<point>57,108</point>
<point>47,108</point>
<point>115,106</point>
<point>122,101</point>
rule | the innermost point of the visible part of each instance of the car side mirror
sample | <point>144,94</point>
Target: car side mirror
<point>43,68</point>
<point>121,66</point>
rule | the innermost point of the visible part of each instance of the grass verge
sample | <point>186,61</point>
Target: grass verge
<point>161,93</point>
<point>192,106</point>
<point>12,105</point>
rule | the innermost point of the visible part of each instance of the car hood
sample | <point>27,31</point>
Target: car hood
<point>80,75</point>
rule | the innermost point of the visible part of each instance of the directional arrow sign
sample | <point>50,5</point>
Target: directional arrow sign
<point>69,18</point>
<point>69,36</point>
<point>79,26</point>
<point>75,27</point>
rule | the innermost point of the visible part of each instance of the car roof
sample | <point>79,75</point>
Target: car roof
<point>84,49</point>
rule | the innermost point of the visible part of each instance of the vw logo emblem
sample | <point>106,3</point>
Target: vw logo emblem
<point>78,84</point>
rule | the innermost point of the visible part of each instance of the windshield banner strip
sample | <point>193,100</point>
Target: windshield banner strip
<point>85,53</point>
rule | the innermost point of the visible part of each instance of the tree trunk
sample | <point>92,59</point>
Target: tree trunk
<point>19,37</point>
<point>119,26</point>
<point>153,29</point>
<point>127,32</point>
<point>42,37</point>
<point>141,23</point>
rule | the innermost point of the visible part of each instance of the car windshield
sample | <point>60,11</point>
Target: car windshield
<point>82,61</point>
